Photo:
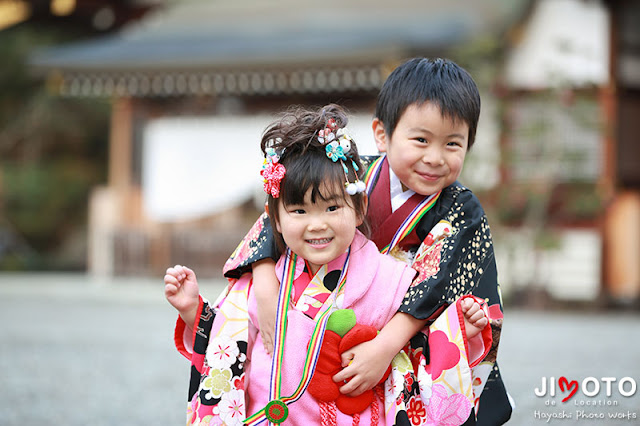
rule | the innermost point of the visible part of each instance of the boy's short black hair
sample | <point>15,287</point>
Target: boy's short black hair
<point>421,80</point>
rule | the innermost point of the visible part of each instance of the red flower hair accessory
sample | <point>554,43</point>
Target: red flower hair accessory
<point>272,173</point>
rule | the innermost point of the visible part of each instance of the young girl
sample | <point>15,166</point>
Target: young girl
<point>336,291</point>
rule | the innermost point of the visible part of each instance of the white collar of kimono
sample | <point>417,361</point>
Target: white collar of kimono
<point>398,196</point>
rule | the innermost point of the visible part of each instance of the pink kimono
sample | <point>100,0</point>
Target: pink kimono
<point>231,371</point>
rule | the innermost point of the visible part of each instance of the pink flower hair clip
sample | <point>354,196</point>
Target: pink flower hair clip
<point>328,134</point>
<point>272,172</point>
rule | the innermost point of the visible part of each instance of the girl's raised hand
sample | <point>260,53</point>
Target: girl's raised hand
<point>182,292</point>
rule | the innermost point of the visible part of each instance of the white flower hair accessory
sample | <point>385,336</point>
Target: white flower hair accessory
<point>338,148</point>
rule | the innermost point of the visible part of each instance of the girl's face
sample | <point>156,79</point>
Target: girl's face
<point>319,232</point>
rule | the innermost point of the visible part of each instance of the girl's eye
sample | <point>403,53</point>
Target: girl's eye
<point>421,140</point>
<point>299,211</point>
<point>333,208</point>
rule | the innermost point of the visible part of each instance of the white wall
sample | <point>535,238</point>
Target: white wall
<point>565,42</point>
<point>194,167</point>
<point>571,272</point>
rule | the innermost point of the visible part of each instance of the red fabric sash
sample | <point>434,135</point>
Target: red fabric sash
<point>384,223</point>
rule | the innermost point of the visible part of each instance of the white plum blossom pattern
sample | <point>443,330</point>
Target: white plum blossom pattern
<point>392,389</point>
<point>425,383</point>
<point>222,352</point>
<point>231,408</point>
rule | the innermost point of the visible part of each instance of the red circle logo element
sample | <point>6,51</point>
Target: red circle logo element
<point>276,411</point>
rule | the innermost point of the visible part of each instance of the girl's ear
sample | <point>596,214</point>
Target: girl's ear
<point>277,221</point>
<point>379,134</point>
<point>266,209</point>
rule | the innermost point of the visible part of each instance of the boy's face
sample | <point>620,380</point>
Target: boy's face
<point>426,150</point>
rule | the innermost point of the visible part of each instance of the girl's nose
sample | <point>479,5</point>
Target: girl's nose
<point>317,224</point>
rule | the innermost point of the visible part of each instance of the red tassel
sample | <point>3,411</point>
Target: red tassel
<point>356,419</point>
<point>328,414</point>
<point>375,409</point>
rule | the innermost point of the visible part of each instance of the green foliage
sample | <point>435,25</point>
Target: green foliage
<point>52,151</point>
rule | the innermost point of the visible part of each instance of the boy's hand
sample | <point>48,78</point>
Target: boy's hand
<point>266,286</point>
<point>474,317</point>
<point>182,292</point>
<point>364,365</point>
<point>267,310</point>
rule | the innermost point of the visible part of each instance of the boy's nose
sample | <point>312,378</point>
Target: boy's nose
<point>433,156</point>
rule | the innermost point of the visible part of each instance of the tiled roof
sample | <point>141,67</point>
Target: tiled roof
<point>266,46</point>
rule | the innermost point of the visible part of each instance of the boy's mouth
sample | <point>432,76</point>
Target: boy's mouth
<point>319,241</point>
<point>429,176</point>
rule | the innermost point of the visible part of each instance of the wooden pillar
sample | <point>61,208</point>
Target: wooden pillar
<point>622,242</point>
<point>121,163</point>
<point>120,144</point>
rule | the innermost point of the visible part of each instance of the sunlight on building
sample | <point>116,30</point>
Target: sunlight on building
<point>63,7</point>
<point>13,12</point>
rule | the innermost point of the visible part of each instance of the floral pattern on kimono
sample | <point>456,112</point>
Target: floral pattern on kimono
<point>424,387</point>
<point>436,387</point>
<point>224,342</point>
<point>217,348</point>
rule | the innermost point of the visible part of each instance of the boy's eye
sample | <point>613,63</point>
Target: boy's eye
<point>454,143</point>
<point>421,140</point>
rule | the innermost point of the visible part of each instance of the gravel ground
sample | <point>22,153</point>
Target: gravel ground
<point>81,351</point>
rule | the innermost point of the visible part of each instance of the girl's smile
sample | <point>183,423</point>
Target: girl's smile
<point>320,242</point>
<point>319,231</point>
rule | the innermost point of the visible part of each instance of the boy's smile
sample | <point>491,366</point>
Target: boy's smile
<point>426,150</point>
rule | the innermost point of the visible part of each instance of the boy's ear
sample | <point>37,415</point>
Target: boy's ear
<point>379,134</point>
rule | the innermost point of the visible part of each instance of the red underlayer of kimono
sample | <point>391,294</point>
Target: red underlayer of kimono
<point>228,360</point>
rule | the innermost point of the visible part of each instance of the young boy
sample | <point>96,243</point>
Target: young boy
<point>425,122</point>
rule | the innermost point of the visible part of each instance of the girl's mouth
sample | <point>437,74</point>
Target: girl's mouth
<point>319,241</point>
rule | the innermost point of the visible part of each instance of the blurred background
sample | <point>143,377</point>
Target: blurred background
<point>129,142</point>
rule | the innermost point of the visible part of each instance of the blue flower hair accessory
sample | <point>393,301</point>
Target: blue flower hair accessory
<point>335,152</point>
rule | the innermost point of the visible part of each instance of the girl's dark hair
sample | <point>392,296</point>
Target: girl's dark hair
<point>295,138</point>
<point>420,80</point>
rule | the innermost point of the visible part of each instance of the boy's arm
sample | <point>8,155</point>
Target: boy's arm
<point>257,254</point>
<point>265,287</point>
<point>367,362</point>
<point>258,244</point>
